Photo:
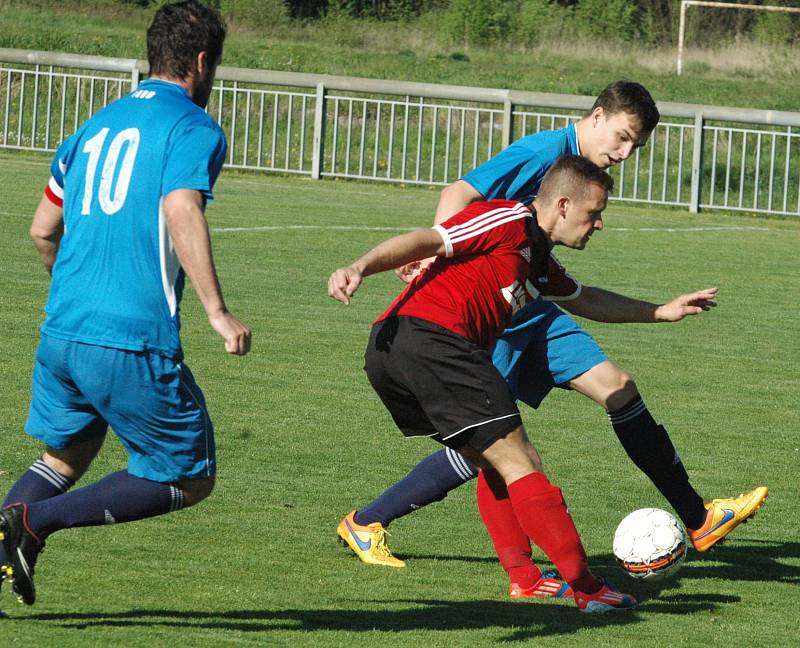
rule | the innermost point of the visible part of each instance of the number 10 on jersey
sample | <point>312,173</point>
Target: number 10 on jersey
<point>110,202</point>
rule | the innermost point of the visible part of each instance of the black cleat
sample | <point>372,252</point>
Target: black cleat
<point>22,549</point>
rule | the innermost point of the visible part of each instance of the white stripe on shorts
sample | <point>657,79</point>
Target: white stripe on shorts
<point>474,425</point>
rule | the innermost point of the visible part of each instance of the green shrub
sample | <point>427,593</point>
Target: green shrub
<point>381,9</point>
<point>776,29</point>
<point>538,21</point>
<point>255,13</point>
<point>477,22</point>
<point>609,20</point>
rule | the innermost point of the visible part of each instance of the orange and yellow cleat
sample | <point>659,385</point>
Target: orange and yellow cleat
<point>724,515</point>
<point>367,542</point>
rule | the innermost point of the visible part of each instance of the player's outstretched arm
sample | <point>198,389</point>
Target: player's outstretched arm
<point>187,225</point>
<point>688,304</point>
<point>606,306</point>
<point>392,253</point>
<point>46,231</point>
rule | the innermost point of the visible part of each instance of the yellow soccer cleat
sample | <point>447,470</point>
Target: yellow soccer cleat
<point>367,542</point>
<point>724,515</point>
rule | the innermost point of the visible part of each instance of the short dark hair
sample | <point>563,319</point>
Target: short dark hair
<point>178,33</point>
<point>632,98</point>
<point>570,176</point>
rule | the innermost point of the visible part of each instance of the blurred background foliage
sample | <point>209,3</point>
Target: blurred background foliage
<point>529,22</point>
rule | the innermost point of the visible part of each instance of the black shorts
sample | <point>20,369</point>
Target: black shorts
<point>436,383</point>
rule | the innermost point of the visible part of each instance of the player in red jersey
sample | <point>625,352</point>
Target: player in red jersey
<point>428,354</point>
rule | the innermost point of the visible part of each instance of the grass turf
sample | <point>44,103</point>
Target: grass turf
<point>302,440</point>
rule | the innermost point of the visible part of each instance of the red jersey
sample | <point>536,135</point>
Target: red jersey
<point>557,284</point>
<point>483,278</point>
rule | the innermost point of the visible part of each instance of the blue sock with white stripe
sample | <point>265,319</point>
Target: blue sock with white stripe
<point>429,481</point>
<point>39,482</point>
<point>118,497</point>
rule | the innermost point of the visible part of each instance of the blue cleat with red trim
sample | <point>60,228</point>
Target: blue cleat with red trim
<point>606,599</point>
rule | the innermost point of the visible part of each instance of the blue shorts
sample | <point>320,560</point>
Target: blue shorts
<point>151,402</point>
<point>543,348</point>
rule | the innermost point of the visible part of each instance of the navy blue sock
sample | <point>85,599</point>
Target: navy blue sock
<point>39,482</point>
<point>429,481</point>
<point>650,448</point>
<point>118,497</point>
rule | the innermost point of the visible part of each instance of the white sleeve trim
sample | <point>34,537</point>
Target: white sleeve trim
<point>56,188</point>
<point>448,243</point>
<point>562,298</point>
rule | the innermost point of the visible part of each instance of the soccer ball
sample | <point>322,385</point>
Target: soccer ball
<point>650,544</point>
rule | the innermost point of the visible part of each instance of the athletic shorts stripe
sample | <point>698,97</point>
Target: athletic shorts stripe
<point>474,425</point>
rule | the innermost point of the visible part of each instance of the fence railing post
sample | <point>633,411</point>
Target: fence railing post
<point>508,122</point>
<point>697,164</point>
<point>318,154</point>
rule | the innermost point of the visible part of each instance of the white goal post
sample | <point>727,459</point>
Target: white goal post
<point>719,5</point>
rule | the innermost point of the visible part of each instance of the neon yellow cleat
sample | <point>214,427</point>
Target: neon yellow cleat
<point>367,542</point>
<point>724,515</point>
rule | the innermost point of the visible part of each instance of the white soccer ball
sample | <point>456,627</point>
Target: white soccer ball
<point>650,544</point>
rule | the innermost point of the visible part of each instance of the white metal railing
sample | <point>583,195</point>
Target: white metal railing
<point>417,133</point>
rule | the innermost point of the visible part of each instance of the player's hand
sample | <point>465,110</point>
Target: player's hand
<point>237,336</point>
<point>689,304</point>
<point>409,271</point>
<point>343,283</point>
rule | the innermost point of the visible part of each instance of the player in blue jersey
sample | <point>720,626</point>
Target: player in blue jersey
<point>121,222</point>
<point>544,347</point>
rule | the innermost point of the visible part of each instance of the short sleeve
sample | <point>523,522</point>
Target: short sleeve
<point>517,171</point>
<point>494,178</point>
<point>558,285</point>
<point>483,226</point>
<point>58,169</point>
<point>194,159</point>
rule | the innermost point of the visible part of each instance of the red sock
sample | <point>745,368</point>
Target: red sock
<point>543,515</point>
<point>510,541</point>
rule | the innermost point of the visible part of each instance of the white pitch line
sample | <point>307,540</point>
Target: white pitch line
<point>269,228</point>
<point>23,162</point>
<point>368,228</point>
<point>723,228</point>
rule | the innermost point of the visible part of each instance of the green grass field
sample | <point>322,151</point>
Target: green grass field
<point>302,440</point>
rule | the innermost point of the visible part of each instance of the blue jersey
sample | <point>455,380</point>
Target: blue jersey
<point>117,281</point>
<point>517,171</point>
